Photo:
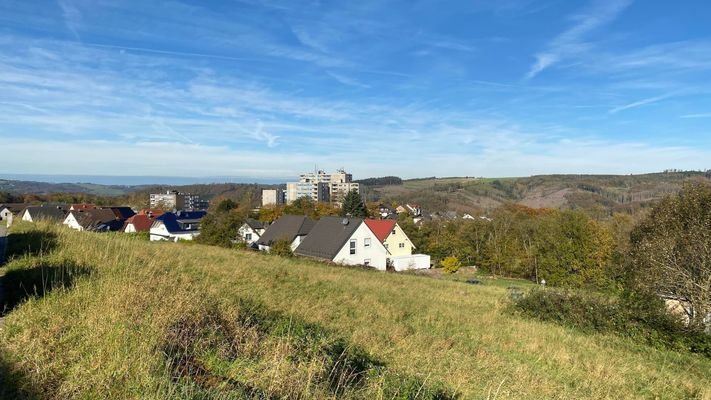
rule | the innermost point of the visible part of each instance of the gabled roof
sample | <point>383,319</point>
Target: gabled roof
<point>172,221</point>
<point>328,237</point>
<point>288,227</point>
<point>381,227</point>
<point>14,208</point>
<point>53,212</point>
<point>97,219</point>
<point>254,224</point>
<point>122,212</point>
<point>82,207</point>
<point>141,222</point>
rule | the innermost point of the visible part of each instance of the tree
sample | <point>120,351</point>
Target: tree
<point>451,264</point>
<point>220,226</point>
<point>353,205</point>
<point>672,251</point>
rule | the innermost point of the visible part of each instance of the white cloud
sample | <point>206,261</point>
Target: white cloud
<point>571,41</point>
<point>639,103</point>
<point>702,115</point>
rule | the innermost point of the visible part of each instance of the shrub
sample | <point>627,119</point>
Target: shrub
<point>451,264</point>
<point>281,248</point>
<point>641,318</point>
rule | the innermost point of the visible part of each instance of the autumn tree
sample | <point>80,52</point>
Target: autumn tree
<point>672,251</point>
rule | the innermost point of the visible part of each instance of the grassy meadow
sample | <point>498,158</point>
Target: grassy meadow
<point>110,316</point>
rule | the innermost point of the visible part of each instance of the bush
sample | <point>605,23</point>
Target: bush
<point>281,248</point>
<point>641,318</point>
<point>451,264</point>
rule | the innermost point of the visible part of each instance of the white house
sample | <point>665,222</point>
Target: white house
<point>251,231</point>
<point>346,241</point>
<point>398,245</point>
<point>9,211</point>
<point>52,212</point>
<point>172,227</point>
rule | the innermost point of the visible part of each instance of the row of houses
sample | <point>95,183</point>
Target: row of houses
<point>380,244</point>
<point>172,226</point>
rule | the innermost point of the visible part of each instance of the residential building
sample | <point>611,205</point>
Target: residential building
<point>8,212</point>
<point>82,207</point>
<point>251,231</point>
<point>320,186</point>
<point>96,220</point>
<point>290,228</point>
<point>273,197</point>
<point>141,222</point>
<point>346,241</point>
<point>174,200</point>
<point>183,225</point>
<point>51,212</point>
<point>398,245</point>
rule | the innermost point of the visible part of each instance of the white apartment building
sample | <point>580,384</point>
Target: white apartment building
<point>174,200</point>
<point>321,186</point>
<point>272,197</point>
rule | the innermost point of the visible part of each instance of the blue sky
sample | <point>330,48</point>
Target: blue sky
<point>414,88</point>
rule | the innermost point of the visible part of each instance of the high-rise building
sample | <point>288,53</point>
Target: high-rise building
<point>320,186</point>
<point>174,200</point>
<point>275,197</point>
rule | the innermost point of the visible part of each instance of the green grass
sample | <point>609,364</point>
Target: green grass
<point>123,318</point>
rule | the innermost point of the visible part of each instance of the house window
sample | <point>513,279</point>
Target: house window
<point>366,242</point>
<point>353,246</point>
<point>366,262</point>
<point>393,231</point>
<point>248,236</point>
<point>401,245</point>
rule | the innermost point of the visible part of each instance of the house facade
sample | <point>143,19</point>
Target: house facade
<point>251,231</point>
<point>347,241</point>
<point>398,245</point>
<point>176,226</point>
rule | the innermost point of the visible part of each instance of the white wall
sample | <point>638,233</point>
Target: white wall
<point>130,228</point>
<point>246,229</point>
<point>415,261</point>
<point>376,252</point>
<point>160,232</point>
<point>26,216</point>
<point>72,222</point>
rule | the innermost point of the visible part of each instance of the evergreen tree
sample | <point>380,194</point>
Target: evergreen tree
<point>353,205</point>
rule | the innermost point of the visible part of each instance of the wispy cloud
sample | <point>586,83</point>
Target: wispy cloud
<point>702,115</point>
<point>572,41</point>
<point>261,135</point>
<point>346,80</point>
<point>72,17</point>
<point>639,103</point>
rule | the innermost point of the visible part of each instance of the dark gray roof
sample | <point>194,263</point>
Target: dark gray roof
<point>287,228</point>
<point>14,208</point>
<point>328,237</point>
<point>254,224</point>
<point>98,219</point>
<point>52,212</point>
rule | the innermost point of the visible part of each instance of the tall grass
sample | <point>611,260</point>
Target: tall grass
<point>162,320</point>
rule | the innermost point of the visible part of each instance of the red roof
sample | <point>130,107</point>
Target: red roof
<point>381,227</point>
<point>141,222</point>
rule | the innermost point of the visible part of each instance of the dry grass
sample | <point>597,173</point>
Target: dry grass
<point>149,312</point>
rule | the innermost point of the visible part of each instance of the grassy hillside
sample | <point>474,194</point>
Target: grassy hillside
<point>121,318</point>
<point>604,193</point>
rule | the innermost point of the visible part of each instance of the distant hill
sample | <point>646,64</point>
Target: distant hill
<point>22,187</point>
<point>601,193</point>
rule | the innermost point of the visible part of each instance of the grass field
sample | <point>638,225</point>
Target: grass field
<point>115,317</point>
